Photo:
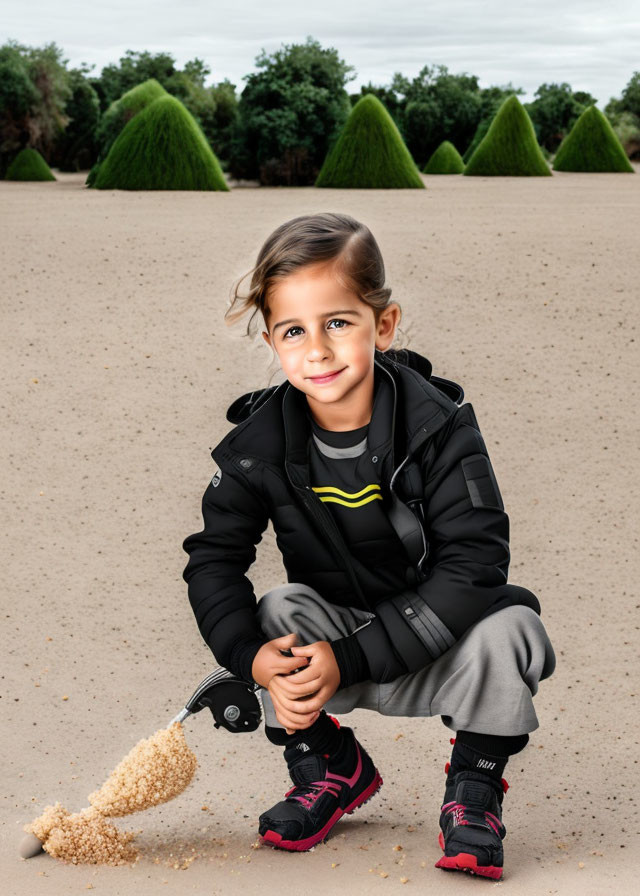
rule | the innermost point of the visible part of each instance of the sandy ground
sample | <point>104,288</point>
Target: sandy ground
<point>116,374</point>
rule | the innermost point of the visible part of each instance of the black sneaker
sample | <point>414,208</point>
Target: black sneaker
<point>325,787</point>
<point>471,828</point>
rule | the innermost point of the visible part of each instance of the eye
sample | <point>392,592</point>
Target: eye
<point>333,320</point>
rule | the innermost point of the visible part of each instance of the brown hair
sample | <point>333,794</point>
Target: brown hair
<point>309,239</point>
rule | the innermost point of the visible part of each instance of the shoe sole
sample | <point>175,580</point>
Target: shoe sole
<point>466,861</point>
<point>272,838</point>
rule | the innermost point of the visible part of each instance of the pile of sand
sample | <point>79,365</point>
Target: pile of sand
<point>84,837</point>
<point>155,771</point>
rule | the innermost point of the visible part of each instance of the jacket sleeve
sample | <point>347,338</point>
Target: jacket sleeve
<point>351,661</point>
<point>221,596</point>
<point>468,534</point>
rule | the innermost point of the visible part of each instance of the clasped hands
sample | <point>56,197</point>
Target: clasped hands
<point>298,696</point>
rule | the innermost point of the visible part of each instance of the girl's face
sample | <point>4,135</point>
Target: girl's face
<point>317,327</point>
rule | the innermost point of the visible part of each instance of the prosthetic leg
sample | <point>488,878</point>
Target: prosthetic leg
<point>233,702</point>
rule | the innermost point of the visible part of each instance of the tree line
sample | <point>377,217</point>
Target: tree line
<point>280,126</point>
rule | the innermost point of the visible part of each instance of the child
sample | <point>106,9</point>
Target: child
<point>396,610</point>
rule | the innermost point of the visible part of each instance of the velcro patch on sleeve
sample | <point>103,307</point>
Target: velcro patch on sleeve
<point>481,482</point>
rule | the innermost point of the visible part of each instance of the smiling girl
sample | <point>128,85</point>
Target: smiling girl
<point>398,606</point>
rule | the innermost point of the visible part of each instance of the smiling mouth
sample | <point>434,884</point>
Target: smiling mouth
<point>326,376</point>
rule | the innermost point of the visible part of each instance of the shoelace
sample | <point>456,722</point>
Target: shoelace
<point>459,812</point>
<point>317,788</point>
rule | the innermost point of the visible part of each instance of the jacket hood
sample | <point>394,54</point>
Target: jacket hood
<point>407,410</point>
<point>408,358</point>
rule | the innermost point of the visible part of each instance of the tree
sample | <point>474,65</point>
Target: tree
<point>624,116</point>
<point>437,106</point>
<point>213,107</point>
<point>77,148</point>
<point>369,153</point>
<point>290,112</point>
<point>34,89</point>
<point>120,113</point>
<point>220,128</point>
<point>29,165</point>
<point>629,101</point>
<point>631,96</point>
<point>387,96</point>
<point>592,145</point>
<point>491,98</point>
<point>161,148</point>
<point>509,148</point>
<point>18,96</point>
<point>196,71</point>
<point>554,111</point>
<point>132,69</point>
<point>445,160</point>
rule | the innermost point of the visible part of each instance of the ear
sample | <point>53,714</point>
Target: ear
<point>387,324</point>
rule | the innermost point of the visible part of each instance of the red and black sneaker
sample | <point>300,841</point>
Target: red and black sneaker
<point>325,788</point>
<point>471,825</point>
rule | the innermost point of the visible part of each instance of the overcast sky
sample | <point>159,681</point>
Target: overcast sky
<point>595,46</point>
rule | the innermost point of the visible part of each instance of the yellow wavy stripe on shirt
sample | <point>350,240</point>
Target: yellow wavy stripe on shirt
<point>338,491</point>
<point>352,503</point>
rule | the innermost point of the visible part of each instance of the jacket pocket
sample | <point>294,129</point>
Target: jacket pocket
<point>481,482</point>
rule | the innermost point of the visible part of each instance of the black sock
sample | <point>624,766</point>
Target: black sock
<point>495,744</point>
<point>323,736</point>
<point>485,753</point>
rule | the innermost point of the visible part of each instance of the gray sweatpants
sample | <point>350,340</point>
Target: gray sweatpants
<point>484,683</point>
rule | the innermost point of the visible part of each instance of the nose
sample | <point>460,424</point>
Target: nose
<point>318,347</point>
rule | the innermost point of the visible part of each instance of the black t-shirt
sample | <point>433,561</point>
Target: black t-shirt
<point>343,476</point>
<point>345,479</point>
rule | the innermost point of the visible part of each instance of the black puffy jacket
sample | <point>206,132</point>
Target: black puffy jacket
<point>263,473</point>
